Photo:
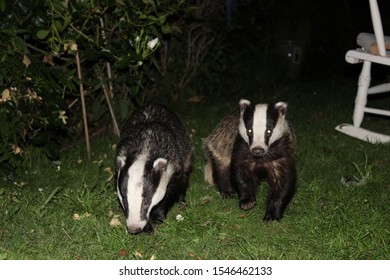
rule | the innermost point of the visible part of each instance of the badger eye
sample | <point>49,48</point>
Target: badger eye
<point>249,131</point>
<point>269,131</point>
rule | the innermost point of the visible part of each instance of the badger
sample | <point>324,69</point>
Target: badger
<point>253,143</point>
<point>154,158</point>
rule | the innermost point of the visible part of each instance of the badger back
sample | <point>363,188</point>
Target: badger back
<point>162,115</point>
<point>261,125</point>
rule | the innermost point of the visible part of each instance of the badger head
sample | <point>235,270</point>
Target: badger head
<point>261,125</point>
<point>141,185</point>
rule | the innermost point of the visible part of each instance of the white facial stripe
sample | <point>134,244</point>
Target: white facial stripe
<point>241,126</point>
<point>134,192</point>
<point>120,162</point>
<point>119,193</point>
<point>280,128</point>
<point>259,126</point>
<point>162,187</point>
<point>136,188</point>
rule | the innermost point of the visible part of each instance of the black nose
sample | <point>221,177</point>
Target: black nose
<point>258,152</point>
<point>134,230</point>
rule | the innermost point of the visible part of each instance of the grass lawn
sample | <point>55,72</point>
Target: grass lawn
<point>63,210</point>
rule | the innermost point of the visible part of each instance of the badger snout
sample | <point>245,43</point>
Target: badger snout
<point>135,229</point>
<point>258,152</point>
<point>135,226</point>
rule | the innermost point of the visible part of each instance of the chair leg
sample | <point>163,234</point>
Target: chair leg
<point>361,97</point>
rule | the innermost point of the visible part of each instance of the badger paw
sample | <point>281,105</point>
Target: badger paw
<point>270,218</point>
<point>227,194</point>
<point>148,229</point>
<point>247,204</point>
<point>157,216</point>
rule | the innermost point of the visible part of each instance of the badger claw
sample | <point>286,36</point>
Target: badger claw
<point>247,204</point>
<point>227,194</point>
<point>268,219</point>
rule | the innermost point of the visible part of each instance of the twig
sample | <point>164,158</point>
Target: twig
<point>83,105</point>
<point>108,64</point>
<point>53,193</point>
<point>106,94</point>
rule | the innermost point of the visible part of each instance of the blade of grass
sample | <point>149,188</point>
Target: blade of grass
<point>51,196</point>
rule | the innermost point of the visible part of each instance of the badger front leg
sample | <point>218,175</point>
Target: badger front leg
<point>281,190</point>
<point>159,213</point>
<point>176,192</point>
<point>220,173</point>
<point>246,184</point>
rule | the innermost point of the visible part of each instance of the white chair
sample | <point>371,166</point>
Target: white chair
<point>372,50</point>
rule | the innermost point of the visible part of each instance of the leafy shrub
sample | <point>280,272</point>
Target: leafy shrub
<point>116,43</point>
<point>32,110</point>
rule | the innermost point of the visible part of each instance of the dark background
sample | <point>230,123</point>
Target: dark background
<point>328,29</point>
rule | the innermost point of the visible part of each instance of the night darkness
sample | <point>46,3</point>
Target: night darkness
<point>328,28</point>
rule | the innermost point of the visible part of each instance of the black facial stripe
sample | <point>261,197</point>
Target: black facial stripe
<point>272,119</point>
<point>151,182</point>
<point>144,207</point>
<point>248,121</point>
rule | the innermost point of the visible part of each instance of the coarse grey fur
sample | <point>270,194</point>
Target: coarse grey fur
<point>218,148</point>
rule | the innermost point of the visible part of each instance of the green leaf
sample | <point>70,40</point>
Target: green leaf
<point>3,5</point>
<point>68,20</point>
<point>19,43</point>
<point>123,110</point>
<point>42,34</point>
<point>58,25</point>
<point>162,19</point>
<point>166,29</point>
<point>122,62</point>
<point>98,110</point>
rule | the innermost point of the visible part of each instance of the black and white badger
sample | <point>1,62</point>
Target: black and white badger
<point>153,160</point>
<point>253,143</point>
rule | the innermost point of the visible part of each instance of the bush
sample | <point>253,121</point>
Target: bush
<point>129,52</point>
<point>39,81</point>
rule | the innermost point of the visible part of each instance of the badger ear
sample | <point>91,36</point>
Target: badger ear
<point>120,161</point>
<point>281,107</point>
<point>244,103</point>
<point>160,164</point>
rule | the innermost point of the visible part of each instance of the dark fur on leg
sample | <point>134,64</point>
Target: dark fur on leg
<point>245,186</point>
<point>281,190</point>
<point>221,178</point>
<point>244,180</point>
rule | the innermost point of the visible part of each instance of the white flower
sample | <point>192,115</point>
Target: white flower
<point>63,116</point>
<point>70,46</point>
<point>179,218</point>
<point>152,43</point>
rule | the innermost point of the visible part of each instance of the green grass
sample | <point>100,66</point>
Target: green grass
<point>326,219</point>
